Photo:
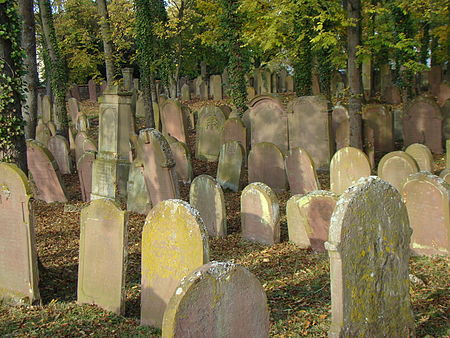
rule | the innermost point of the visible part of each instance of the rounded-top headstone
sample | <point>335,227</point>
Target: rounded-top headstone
<point>301,172</point>
<point>174,243</point>
<point>395,167</point>
<point>422,155</point>
<point>341,126</point>
<point>218,300</point>
<point>230,164</point>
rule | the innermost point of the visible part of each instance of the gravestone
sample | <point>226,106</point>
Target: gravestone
<point>378,118</point>
<point>103,254</point>
<point>52,127</point>
<point>82,122</point>
<point>203,87</point>
<point>290,84</point>
<point>341,126</point>
<point>300,172</point>
<point>92,90</point>
<point>395,167</point>
<point>230,164</point>
<point>218,300</point>
<point>59,147</point>
<point>140,108</point>
<point>216,87</point>
<point>234,130</point>
<point>43,133</point>
<point>251,93</point>
<point>347,166</point>
<point>435,79</point>
<point>84,167</point>
<point>392,95</point>
<point>206,196</point>
<point>427,199</point>
<point>310,128</point>
<point>422,155</point>
<point>398,124</point>
<point>266,165</point>
<point>46,109</point>
<point>422,123</point>
<point>260,214</point>
<point>444,93</point>
<point>269,121</point>
<point>282,81</point>
<point>75,92</point>
<point>45,173</point>
<point>182,158</point>
<point>209,134</point>
<point>79,145</point>
<point>127,74</point>
<point>445,175</point>
<point>308,218</point>
<point>138,198</point>
<point>368,247</point>
<point>159,166</point>
<point>174,243</point>
<point>74,109</point>
<point>446,119</point>
<point>185,92</point>
<point>18,259</point>
<point>174,122</point>
<point>111,166</point>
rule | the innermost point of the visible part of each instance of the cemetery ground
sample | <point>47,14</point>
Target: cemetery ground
<point>296,281</point>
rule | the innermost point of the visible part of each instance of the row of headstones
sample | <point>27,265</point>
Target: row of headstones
<point>187,296</point>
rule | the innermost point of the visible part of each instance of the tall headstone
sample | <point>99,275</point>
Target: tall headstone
<point>45,173</point>
<point>203,88</point>
<point>216,87</point>
<point>260,214</point>
<point>138,198</point>
<point>185,92</point>
<point>395,167</point>
<point>230,164</point>
<point>127,74</point>
<point>341,126</point>
<point>18,259</point>
<point>218,300</point>
<point>74,109</point>
<point>174,243</point>
<point>92,90</point>
<point>310,128</point>
<point>209,133</point>
<point>174,121</point>
<point>378,118</point>
<point>47,110</point>
<point>347,166</point>
<point>308,218</point>
<point>79,145</point>
<point>427,199</point>
<point>435,79</point>
<point>422,155</point>
<point>290,84</point>
<point>110,169</point>
<point>206,196</point>
<point>446,119</point>
<point>43,133</point>
<point>368,245</point>
<point>84,167</point>
<point>103,254</point>
<point>266,165</point>
<point>59,147</point>
<point>300,172</point>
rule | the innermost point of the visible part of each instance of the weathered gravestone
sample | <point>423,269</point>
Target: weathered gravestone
<point>185,92</point>
<point>174,122</point>
<point>182,157</point>
<point>43,133</point>
<point>300,172</point>
<point>59,147</point>
<point>206,196</point>
<point>290,84</point>
<point>266,165</point>
<point>341,126</point>
<point>92,90</point>
<point>234,130</point>
<point>138,198</point>
<point>251,93</point>
<point>209,133</point>
<point>445,175</point>
<point>422,155</point>
<point>103,254</point>
<point>52,127</point>
<point>308,218</point>
<point>444,93</point>
<point>260,214</point>
<point>174,243</point>
<point>84,167</point>
<point>282,80</point>
<point>347,166</point>
<point>74,92</point>
<point>446,119</point>
<point>82,122</point>
<point>435,79</point>
<point>140,107</point>
<point>79,145</point>
<point>269,121</point>
<point>46,109</point>
<point>310,128</point>
<point>45,173</point>
<point>427,199</point>
<point>218,300</point>
<point>422,123</point>
<point>216,87</point>
<point>368,245</point>
<point>74,109</point>
<point>203,87</point>
<point>391,95</point>
<point>230,164</point>
<point>395,167</point>
<point>18,260</point>
<point>378,118</point>
<point>159,166</point>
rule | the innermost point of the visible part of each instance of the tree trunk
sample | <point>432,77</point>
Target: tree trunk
<point>58,71</point>
<point>353,8</point>
<point>31,76</point>
<point>107,40</point>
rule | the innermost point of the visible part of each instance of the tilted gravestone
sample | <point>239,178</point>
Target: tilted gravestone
<point>174,121</point>
<point>182,157</point>
<point>159,166</point>
<point>230,164</point>
<point>45,172</point>
<point>138,198</point>
<point>43,133</point>
<point>380,119</point>
<point>310,128</point>
<point>422,155</point>
<point>269,121</point>
<point>347,166</point>
<point>368,245</point>
<point>260,214</point>
<point>73,109</point>
<point>308,218</point>
<point>266,165</point>
<point>209,133</point>
<point>341,126</point>
<point>218,300</point>
<point>18,259</point>
<point>84,167</point>
<point>234,130</point>
<point>422,123</point>
<point>427,199</point>
<point>103,254</point>
<point>300,172</point>
<point>206,196</point>
<point>174,243</point>
<point>395,167</point>
<point>59,147</point>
